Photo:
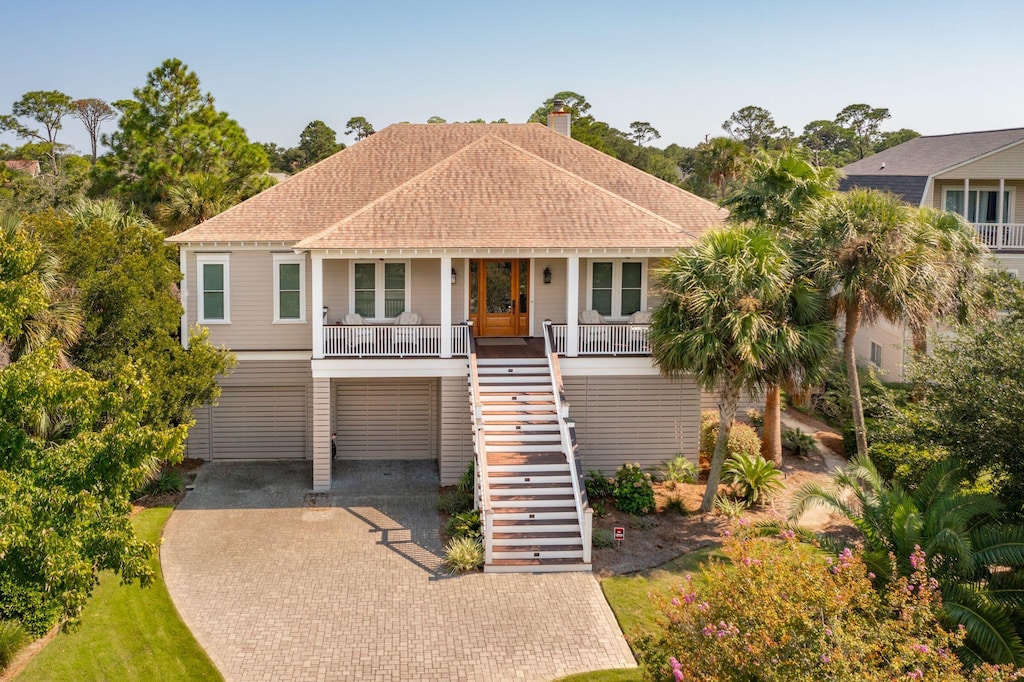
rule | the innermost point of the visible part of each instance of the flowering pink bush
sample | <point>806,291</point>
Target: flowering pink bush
<point>779,610</point>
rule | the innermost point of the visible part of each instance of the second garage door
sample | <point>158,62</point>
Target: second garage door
<point>259,422</point>
<point>386,419</point>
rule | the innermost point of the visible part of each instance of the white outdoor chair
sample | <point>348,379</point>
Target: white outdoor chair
<point>357,337</point>
<point>593,334</point>
<point>407,336</point>
<point>640,317</point>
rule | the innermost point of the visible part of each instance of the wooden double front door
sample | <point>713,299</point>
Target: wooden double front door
<point>499,297</point>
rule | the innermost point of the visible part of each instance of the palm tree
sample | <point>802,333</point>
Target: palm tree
<point>198,197</point>
<point>777,188</point>
<point>734,312</point>
<point>720,161</point>
<point>977,562</point>
<point>61,318</point>
<point>874,256</point>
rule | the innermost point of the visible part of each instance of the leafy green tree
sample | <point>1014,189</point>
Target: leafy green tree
<point>869,250</point>
<point>25,194</point>
<point>436,119</point>
<point>127,278</point>
<point>978,563</point>
<point>318,141</point>
<point>197,197</point>
<point>575,102</point>
<point>642,131</point>
<point>829,142</point>
<point>755,128</point>
<point>893,138</point>
<point>718,165</point>
<point>776,189</point>
<point>46,108</point>
<point>863,122</point>
<point>92,113</point>
<point>735,310</point>
<point>170,130</point>
<point>360,127</point>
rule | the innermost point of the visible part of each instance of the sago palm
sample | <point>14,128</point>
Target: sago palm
<point>978,563</point>
<point>733,312</point>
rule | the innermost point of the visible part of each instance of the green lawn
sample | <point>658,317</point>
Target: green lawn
<point>630,599</point>
<point>127,633</point>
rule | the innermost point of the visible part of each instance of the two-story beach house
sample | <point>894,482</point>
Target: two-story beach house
<point>979,175</point>
<point>454,292</point>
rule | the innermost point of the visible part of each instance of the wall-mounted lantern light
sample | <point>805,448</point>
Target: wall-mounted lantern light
<point>547,275</point>
<point>453,276</point>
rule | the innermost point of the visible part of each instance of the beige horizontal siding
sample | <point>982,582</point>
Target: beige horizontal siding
<point>197,445</point>
<point>456,451</point>
<point>386,419</point>
<point>548,299</point>
<point>251,295</point>
<point>709,401</point>
<point>1008,163</point>
<point>641,419</point>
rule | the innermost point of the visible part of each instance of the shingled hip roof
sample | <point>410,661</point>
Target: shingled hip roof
<point>466,186</point>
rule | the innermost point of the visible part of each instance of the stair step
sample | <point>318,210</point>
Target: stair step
<point>538,528</point>
<point>521,447</point>
<point>549,427</point>
<point>550,436</point>
<point>509,533</point>
<point>538,487</point>
<point>567,513</point>
<point>529,480</point>
<point>512,362</point>
<point>543,554</point>
<point>518,458</point>
<point>552,540</point>
<point>529,501</point>
<point>525,469</point>
<point>536,566</point>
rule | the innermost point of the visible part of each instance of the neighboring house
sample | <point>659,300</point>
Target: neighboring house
<point>357,292</point>
<point>24,166</point>
<point>966,173</point>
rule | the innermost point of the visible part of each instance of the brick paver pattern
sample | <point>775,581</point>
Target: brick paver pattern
<point>280,584</point>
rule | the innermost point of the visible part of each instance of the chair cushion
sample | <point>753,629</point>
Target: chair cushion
<point>408,318</point>
<point>354,318</point>
<point>640,317</point>
<point>591,317</point>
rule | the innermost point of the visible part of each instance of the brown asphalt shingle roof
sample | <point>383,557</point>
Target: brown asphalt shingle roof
<point>466,185</point>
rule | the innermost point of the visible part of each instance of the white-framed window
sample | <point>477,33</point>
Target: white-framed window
<point>616,288</point>
<point>876,354</point>
<point>379,289</point>
<point>982,204</point>
<point>214,284</point>
<point>289,288</point>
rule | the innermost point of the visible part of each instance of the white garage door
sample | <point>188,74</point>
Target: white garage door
<point>385,419</point>
<point>260,422</point>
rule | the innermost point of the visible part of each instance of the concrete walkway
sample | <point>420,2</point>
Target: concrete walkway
<point>278,583</point>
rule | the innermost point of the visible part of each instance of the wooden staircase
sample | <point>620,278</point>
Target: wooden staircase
<point>535,516</point>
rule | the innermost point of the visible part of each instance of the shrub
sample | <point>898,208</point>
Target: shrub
<point>676,505</point>
<point>755,417</point>
<point>599,508</point>
<point>454,502</point>
<point>464,525</point>
<point>463,554</point>
<point>752,477</point>
<point>602,538</point>
<point>680,470</point>
<point>742,438</point>
<point>12,638</point>
<point>730,508</point>
<point>23,598</point>
<point>801,444</point>
<point>599,486</point>
<point>634,493</point>
<point>775,610</point>
<point>165,482</point>
<point>904,463</point>
<point>467,482</point>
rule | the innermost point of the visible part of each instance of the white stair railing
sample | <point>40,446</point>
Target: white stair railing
<point>584,514</point>
<point>604,339</point>
<point>481,492</point>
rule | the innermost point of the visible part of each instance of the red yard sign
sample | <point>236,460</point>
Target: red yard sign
<point>619,533</point>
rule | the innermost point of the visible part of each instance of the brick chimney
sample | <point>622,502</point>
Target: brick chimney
<point>560,120</point>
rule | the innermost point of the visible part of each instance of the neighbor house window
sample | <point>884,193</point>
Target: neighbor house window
<point>214,285</point>
<point>616,287</point>
<point>380,289</point>
<point>876,354</point>
<point>289,288</point>
<point>982,205</point>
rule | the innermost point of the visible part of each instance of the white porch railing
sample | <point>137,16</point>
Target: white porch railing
<point>369,341</point>
<point>997,236</point>
<point>606,339</point>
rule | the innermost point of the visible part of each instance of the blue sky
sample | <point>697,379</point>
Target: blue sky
<point>683,66</point>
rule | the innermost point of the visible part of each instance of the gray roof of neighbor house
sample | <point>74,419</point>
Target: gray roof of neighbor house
<point>905,168</point>
<point>466,186</point>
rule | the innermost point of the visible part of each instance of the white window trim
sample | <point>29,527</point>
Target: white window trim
<point>378,287</point>
<point>984,188</point>
<point>617,285</point>
<point>871,351</point>
<point>279,259</point>
<point>213,259</point>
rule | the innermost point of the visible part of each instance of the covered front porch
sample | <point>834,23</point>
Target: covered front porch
<point>431,307</point>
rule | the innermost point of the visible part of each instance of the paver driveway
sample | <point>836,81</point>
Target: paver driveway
<point>281,584</point>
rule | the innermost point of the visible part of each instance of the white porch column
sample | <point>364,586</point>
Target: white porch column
<point>967,198</point>
<point>183,294</point>
<point>572,305</point>
<point>321,434</point>
<point>1000,231</point>
<point>446,306</point>
<point>317,305</point>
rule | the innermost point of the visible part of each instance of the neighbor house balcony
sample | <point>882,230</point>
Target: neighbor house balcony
<point>1001,236</point>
